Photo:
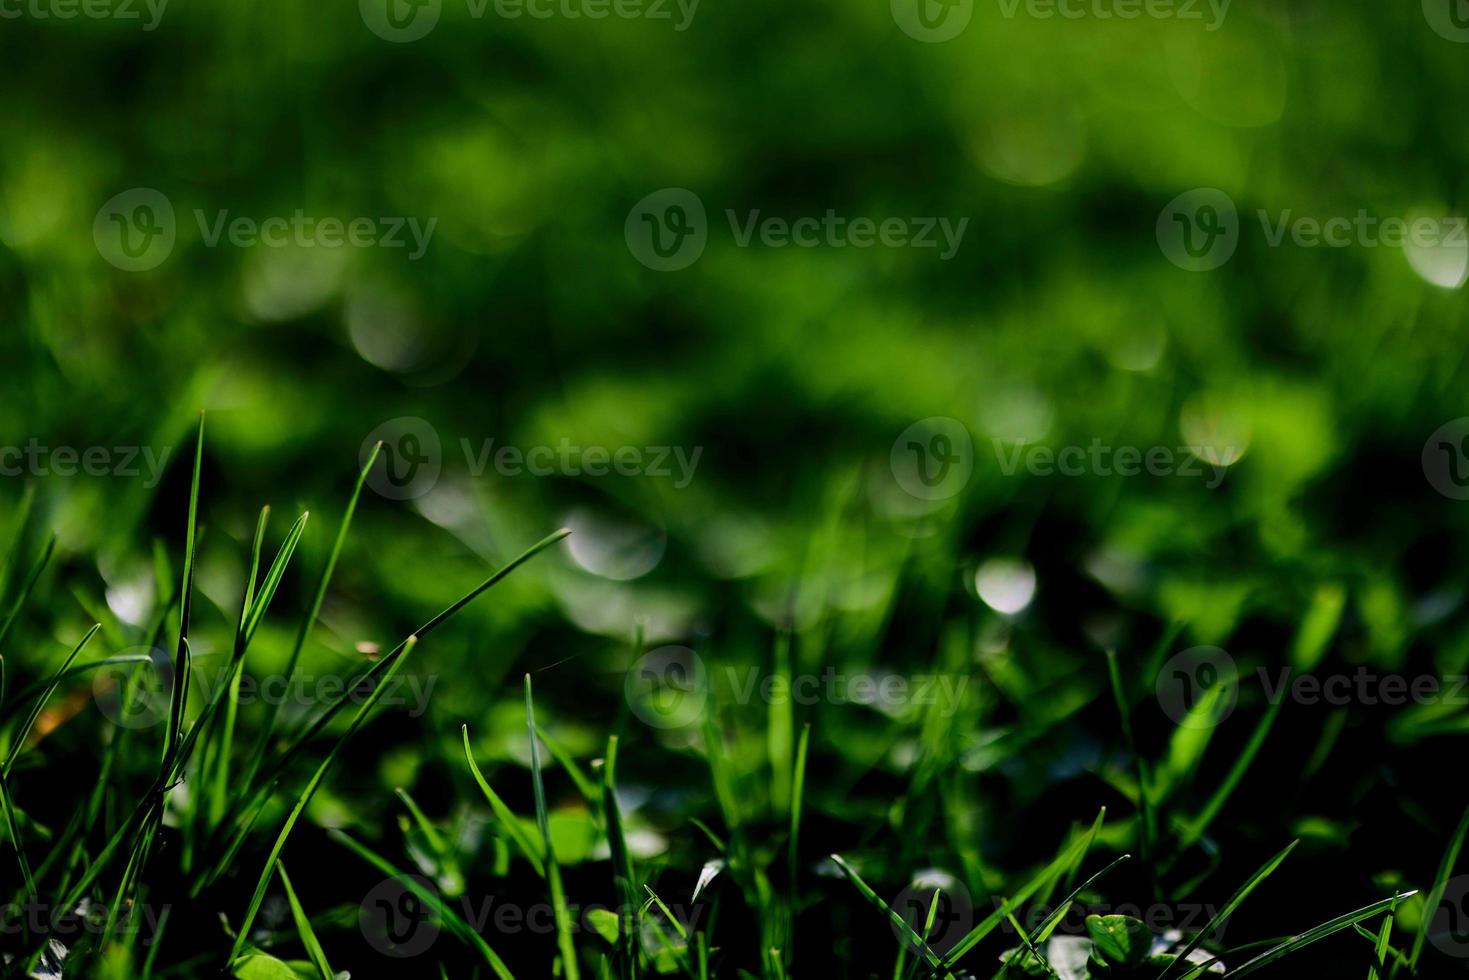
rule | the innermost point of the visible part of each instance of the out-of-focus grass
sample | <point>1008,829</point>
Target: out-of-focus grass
<point>1057,323</point>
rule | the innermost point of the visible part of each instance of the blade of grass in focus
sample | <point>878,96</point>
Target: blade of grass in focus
<point>1440,884</point>
<point>303,926</point>
<point>559,907</point>
<point>358,720</point>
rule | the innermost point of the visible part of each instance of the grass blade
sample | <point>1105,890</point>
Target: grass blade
<point>1440,882</point>
<point>273,576</point>
<point>1147,823</point>
<point>427,896</point>
<point>25,729</point>
<point>1315,935</point>
<point>1384,938</point>
<point>12,827</point>
<point>358,721</point>
<point>284,758</point>
<point>910,938</point>
<point>25,592</point>
<point>308,622</point>
<point>1229,908</point>
<point>303,926</point>
<point>1067,860</point>
<point>1237,772</point>
<point>179,700</point>
<point>564,758</point>
<point>622,869</point>
<point>526,844</point>
<point>553,871</point>
<point>227,726</point>
<point>780,729</point>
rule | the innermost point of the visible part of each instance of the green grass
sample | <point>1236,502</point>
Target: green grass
<point>222,845</point>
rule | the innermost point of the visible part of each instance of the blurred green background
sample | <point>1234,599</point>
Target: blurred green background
<point>529,321</point>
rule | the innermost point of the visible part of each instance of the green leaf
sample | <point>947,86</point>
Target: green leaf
<point>604,923</point>
<point>1119,940</point>
<point>255,964</point>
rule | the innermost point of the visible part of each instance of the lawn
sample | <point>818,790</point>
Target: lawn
<point>608,489</point>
